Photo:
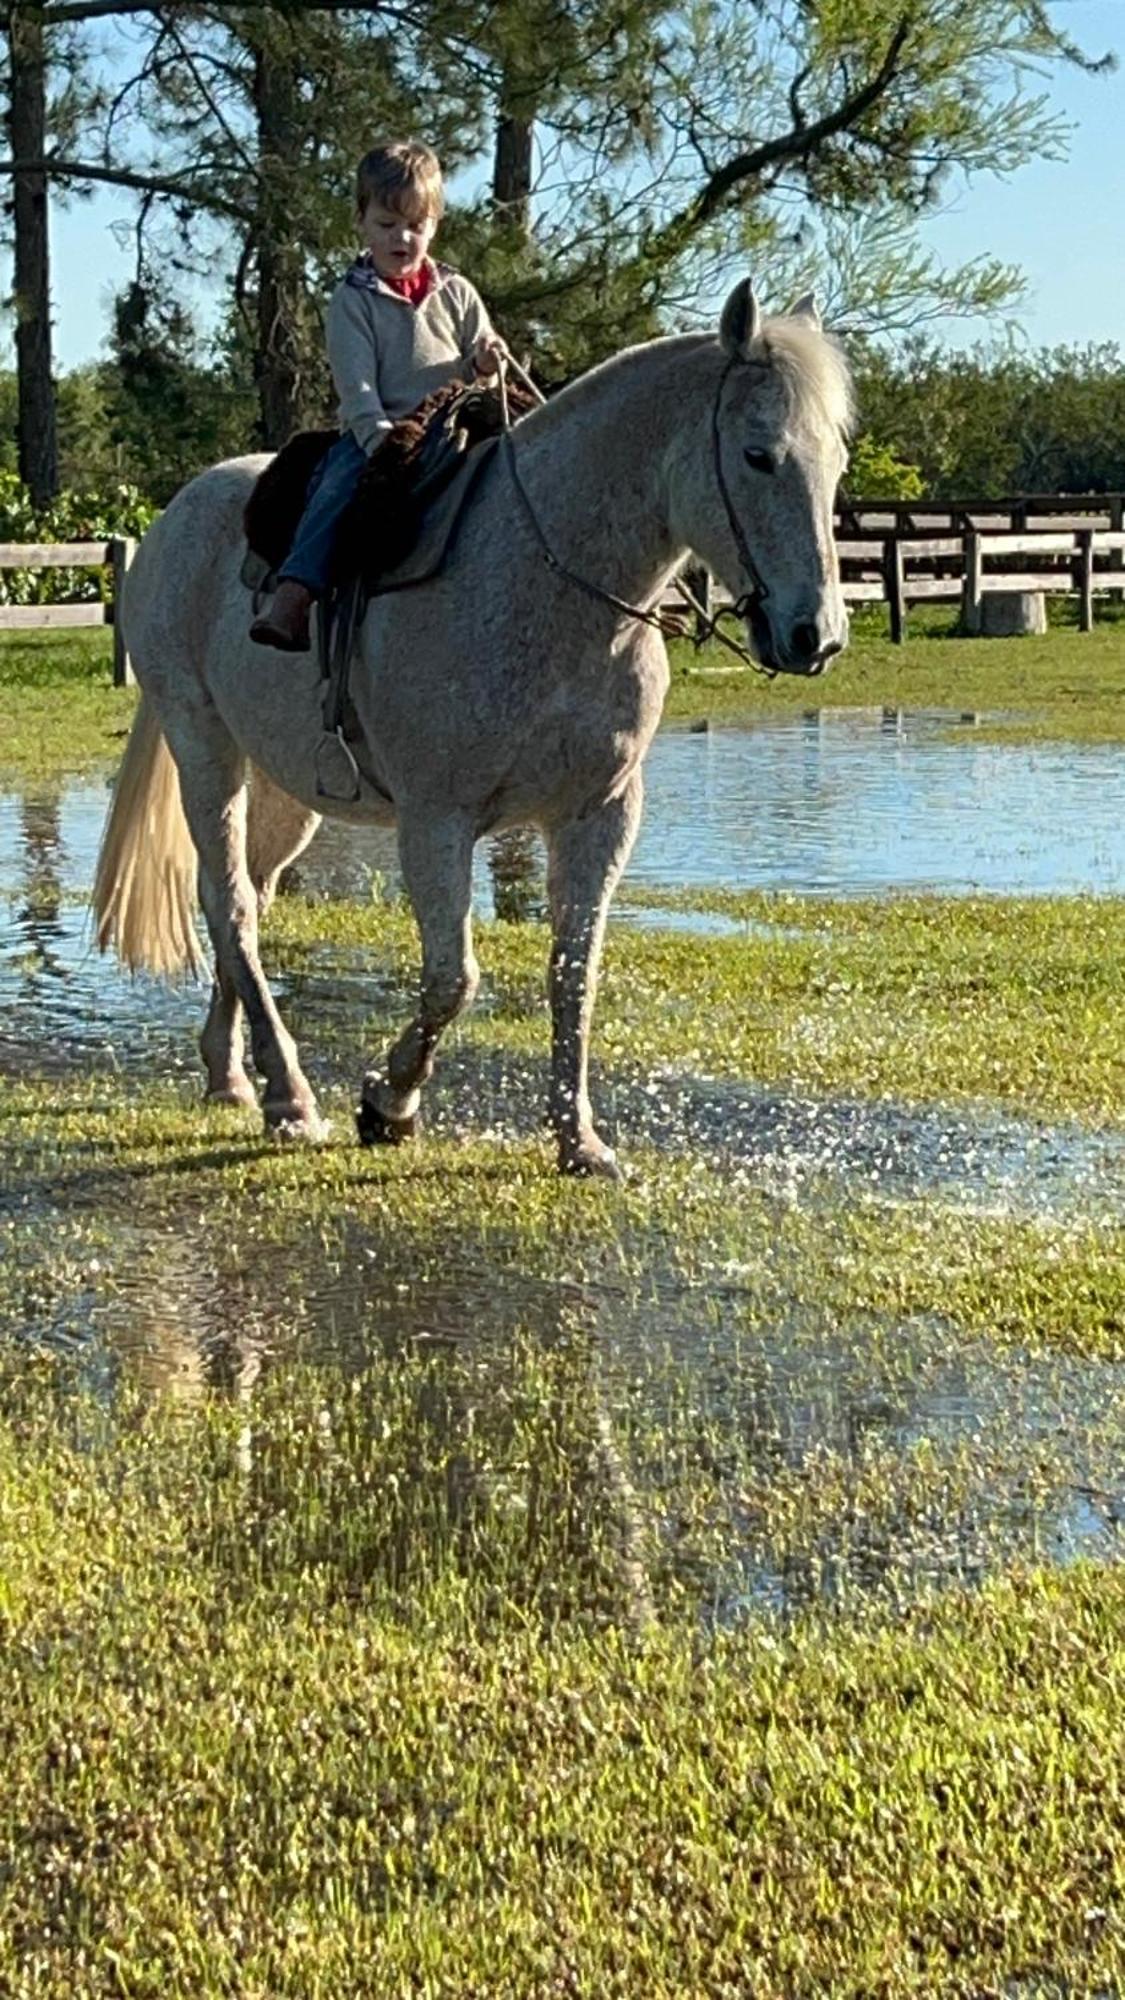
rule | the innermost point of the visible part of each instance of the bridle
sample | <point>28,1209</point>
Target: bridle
<point>747,608</point>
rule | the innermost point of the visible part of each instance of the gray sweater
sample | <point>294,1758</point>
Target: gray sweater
<point>387,355</point>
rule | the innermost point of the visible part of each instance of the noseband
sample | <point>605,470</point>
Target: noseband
<point>747,608</point>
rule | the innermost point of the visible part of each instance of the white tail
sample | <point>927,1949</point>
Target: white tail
<point>144,890</point>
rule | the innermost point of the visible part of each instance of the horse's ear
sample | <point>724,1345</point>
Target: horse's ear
<point>741,322</point>
<point>807,308</point>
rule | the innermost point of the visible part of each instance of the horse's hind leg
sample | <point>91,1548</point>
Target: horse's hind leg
<point>213,789</point>
<point>437,865</point>
<point>277,829</point>
<point>585,859</point>
<point>221,1045</point>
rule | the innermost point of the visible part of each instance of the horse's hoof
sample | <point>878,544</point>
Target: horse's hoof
<point>238,1090</point>
<point>297,1126</point>
<point>374,1128</point>
<point>593,1161</point>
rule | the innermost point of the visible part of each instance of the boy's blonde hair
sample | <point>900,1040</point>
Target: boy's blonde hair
<point>403,175</point>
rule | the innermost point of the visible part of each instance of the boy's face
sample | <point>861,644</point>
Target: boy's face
<point>398,241</point>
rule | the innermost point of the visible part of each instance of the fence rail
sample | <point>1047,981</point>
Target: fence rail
<point>116,554</point>
<point>1026,511</point>
<point>898,569</point>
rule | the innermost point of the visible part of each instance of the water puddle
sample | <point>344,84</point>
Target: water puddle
<point>771,1455</point>
<point>844,801</point>
<point>839,802</point>
<point>763,1457</point>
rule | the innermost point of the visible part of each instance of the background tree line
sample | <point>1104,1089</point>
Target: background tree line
<point>998,420</point>
<point>617,158</point>
<point>979,423</point>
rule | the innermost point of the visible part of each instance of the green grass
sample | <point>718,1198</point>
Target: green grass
<point>274,1726</point>
<point>59,709</point>
<point>422,1576</point>
<point>956,999</point>
<point>1066,685</point>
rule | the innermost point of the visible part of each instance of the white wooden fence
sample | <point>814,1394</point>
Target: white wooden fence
<point>115,554</point>
<point>900,569</point>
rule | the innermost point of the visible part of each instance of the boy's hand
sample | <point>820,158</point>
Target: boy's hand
<point>488,354</point>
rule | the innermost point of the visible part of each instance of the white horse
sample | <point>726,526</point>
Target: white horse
<point>517,687</point>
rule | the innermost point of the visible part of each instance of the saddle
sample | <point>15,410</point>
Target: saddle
<point>420,458</point>
<point>416,465</point>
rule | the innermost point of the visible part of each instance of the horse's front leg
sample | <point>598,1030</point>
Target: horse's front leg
<point>437,865</point>
<point>586,857</point>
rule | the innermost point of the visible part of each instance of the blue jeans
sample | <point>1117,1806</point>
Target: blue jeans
<point>331,487</point>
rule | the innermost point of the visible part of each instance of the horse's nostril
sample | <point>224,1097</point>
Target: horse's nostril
<point>805,640</point>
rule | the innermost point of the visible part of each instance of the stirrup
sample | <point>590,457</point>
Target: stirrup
<point>334,752</point>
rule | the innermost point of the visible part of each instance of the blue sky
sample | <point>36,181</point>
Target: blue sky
<point>1063,222</point>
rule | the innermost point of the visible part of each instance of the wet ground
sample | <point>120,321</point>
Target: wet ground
<point>841,802</point>
<point>837,1456</point>
<point>776,1453</point>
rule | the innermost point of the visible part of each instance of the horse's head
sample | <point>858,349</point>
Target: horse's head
<point>776,447</point>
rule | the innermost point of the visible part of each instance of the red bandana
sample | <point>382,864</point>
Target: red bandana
<point>417,286</point>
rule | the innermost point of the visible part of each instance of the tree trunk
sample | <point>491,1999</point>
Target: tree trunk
<point>27,131</point>
<point>512,167</point>
<point>280,361</point>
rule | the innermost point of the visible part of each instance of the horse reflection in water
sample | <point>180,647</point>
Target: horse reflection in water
<point>485,1437</point>
<point>521,687</point>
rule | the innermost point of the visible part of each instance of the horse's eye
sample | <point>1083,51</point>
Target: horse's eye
<point>759,461</point>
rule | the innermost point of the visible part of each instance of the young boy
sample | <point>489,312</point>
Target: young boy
<point>399,326</point>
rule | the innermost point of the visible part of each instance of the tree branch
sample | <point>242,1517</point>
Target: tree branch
<point>801,140</point>
<point>87,170</point>
<point>210,101</point>
<point>94,10</point>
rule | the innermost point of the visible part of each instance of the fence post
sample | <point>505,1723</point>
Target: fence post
<point>1116,523</point>
<point>122,550</point>
<point>971,581</point>
<point>893,585</point>
<point>1084,578</point>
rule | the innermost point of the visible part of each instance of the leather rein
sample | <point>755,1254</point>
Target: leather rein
<point>746,608</point>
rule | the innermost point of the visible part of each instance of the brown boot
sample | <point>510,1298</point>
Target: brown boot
<point>286,623</point>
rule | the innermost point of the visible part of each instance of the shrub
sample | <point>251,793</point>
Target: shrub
<point>76,515</point>
<point>875,473</point>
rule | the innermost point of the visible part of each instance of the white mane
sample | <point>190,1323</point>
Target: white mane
<point>811,364</point>
<point>814,368</point>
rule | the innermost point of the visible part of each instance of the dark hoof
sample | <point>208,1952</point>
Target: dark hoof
<point>374,1129</point>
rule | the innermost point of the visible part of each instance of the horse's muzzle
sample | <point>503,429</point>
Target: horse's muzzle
<point>804,650</point>
<point>821,660</point>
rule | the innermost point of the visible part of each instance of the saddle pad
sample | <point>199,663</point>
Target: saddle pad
<point>278,497</point>
<point>441,523</point>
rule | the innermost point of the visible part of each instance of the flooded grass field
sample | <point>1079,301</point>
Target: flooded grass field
<point>419,1575</point>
